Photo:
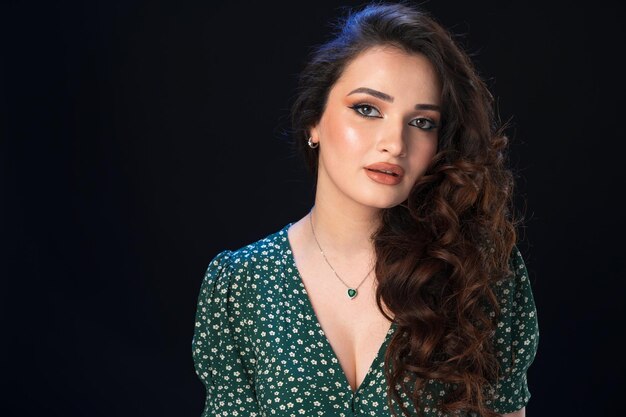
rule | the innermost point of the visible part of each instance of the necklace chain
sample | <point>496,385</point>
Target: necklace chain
<point>352,292</point>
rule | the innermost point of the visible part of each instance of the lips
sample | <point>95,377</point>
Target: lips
<point>386,168</point>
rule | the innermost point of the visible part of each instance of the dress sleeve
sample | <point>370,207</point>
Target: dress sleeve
<point>516,337</point>
<point>222,353</point>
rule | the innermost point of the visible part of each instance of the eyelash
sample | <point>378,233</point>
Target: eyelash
<point>357,107</point>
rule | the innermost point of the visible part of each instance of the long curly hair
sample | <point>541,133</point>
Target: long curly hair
<point>440,251</point>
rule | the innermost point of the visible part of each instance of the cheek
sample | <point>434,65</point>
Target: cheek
<point>424,153</point>
<point>432,148</point>
<point>342,138</point>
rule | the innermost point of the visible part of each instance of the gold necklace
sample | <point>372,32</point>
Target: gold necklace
<point>352,292</point>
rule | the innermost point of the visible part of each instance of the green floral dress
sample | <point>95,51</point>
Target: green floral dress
<point>260,350</point>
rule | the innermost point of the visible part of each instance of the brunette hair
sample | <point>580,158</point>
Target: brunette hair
<point>440,251</point>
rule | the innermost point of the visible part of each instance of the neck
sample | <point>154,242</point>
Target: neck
<point>345,233</point>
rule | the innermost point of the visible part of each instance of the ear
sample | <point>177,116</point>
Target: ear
<point>314,133</point>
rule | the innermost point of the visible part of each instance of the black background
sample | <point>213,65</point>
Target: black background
<point>139,138</point>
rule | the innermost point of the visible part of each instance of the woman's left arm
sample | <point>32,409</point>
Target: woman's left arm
<point>516,339</point>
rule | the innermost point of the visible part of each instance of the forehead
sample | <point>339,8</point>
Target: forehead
<point>393,71</point>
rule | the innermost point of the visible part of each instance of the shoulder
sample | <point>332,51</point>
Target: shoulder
<point>237,267</point>
<point>263,250</point>
<point>514,291</point>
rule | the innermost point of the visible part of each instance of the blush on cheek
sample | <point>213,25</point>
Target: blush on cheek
<point>353,137</point>
<point>343,137</point>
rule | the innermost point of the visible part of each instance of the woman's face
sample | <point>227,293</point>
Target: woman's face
<point>383,109</point>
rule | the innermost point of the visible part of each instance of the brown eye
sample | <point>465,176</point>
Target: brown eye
<point>423,123</point>
<point>366,110</point>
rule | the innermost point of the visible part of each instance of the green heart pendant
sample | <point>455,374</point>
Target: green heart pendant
<point>351,293</point>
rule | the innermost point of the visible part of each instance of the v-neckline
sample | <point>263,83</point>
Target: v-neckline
<point>309,306</point>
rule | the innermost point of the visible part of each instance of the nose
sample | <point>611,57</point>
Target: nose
<point>392,140</point>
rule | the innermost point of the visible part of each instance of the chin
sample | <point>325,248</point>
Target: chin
<point>381,203</point>
<point>384,197</point>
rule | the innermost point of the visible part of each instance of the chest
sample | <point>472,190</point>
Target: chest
<point>306,368</point>
<point>353,328</point>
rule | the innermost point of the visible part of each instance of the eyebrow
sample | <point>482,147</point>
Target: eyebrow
<point>388,98</point>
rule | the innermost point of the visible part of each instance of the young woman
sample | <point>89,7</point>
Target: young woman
<point>402,291</point>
